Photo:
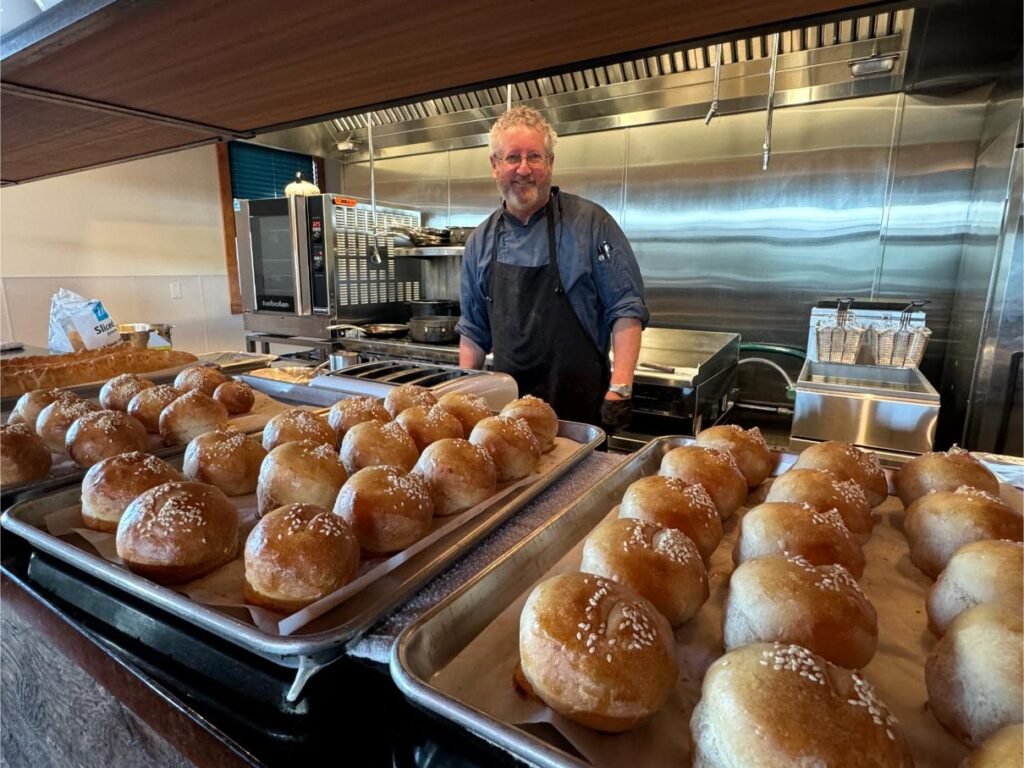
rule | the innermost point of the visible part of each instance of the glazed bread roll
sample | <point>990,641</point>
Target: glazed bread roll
<point>101,434</point>
<point>375,443</point>
<point>539,415</point>
<point>824,491</point>
<point>1000,750</point>
<point>237,397</point>
<point>200,377</point>
<point>56,419</point>
<point>848,463</point>
<point>973,674</point>
<point>788,600</point>
<point>511,443</point>
<point>150,403</point>
<point>302,472</point>
<point>747,448</point>
<point>191,415</point>
<point>298,424</point>
<point>226,459</point>
<point>119,391</point>
<point>596,652</point>
<point>110,486</point>
<point>388,510</point>
<point>26,410</point>
<point>942,472</point>
<point>660,564</point>
<point>712,468</point>
<point>979,573</point>
<point>427,425</point>
<point>784,528</point>
<point>938,524</point>
<point>466,407</point>
<point>674,503</point>
<point>24,456</point>
<point>296,555</point>
<point>406,396</point>
<point>781,705</point>
<point>458,474</point>
<point>346,413</point>
<point>177,532</point>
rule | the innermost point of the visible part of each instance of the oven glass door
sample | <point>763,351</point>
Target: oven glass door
<point>273,259</point>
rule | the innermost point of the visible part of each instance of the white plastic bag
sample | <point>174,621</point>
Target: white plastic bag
<point>77,323</point>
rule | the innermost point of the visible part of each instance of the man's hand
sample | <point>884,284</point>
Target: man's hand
<point>616,412</point>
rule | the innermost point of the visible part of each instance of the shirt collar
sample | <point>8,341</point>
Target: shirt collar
<point>537,215</point>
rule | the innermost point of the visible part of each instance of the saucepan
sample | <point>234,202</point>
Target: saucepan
<point>433,329</point>
<point>435,307</point>
<point>374,330</point>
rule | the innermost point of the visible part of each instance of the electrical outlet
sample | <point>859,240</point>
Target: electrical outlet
<point>175,289</point>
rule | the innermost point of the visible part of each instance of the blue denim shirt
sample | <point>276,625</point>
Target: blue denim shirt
<point>601,290</point>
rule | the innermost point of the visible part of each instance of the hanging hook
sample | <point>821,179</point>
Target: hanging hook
<point>767,148</point>
<point>714,87</point>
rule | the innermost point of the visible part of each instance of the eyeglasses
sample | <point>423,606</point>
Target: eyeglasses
<point>534,160</point>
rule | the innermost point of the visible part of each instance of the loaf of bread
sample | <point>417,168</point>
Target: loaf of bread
<point>102,434</point>
<point>674,503</point>
<point>387,509</point>
<point>189,416</point>
<point>466,407</point>
<point>781,705</point>
<point>824,491</point>
<point>237,397</point>
<point>989,571</point>
<point>942,471</point>
<point>25,374</point>
<point>539,415</point>
<point>119,391</point>
<point>225,458</point>
<point>747,448</point>
<point>23,455</point>
<point>346,413</point>
<point>295,425</point>
<point>847,462</point>
<point>110,486</point>
<point>406,396</point>
<point>427,425</point>
<point>27,409</point>
<point>714,469</point>
<point>511,443</point>
<point>459,474</point>
<point>376,444</point>
<point>302,472</point>
<point>203,377</point>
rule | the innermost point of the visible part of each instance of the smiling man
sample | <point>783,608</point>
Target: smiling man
<point>550,283</point>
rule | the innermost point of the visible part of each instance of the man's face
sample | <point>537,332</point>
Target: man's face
<point>526,184</point>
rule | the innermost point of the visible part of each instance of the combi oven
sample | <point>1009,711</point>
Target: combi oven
<point>305,263</point>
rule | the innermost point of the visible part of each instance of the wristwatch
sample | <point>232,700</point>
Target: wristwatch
<point>622,390</point>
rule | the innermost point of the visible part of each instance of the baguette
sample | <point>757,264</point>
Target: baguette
<point>48,371</point>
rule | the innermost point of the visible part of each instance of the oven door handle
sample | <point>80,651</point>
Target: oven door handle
<point>656,367</point>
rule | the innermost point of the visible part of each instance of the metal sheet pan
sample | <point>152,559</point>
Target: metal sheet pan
<point>324,639</point>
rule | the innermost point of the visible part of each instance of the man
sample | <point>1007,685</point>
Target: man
<point>564,286</point>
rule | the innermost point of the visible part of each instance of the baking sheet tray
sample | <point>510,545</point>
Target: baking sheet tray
<point>433,659</point>
<point>322,640</point>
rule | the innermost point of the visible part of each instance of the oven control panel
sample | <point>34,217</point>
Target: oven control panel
<point>318,289</point>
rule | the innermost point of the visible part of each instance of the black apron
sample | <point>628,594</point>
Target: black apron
<point>538,339</point>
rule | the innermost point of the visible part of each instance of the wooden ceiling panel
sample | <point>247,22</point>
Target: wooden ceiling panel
<point>248,66</point>
<point>42,138</point>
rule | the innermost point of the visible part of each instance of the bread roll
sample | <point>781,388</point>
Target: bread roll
<point>973,674</point>
<point>406,396</point>
<point>938,524</point>
<point>458,474</point>
<point>660,564</point>
<point>848,463</point>
<point>24,456</point>
<point>150,403</point>
<point>539,415</point>
<point>674,503</point>
<point>26,410</point>
<point>374,443</point>
<point>191,415</point>
<point>296,555</point>
<point>119,391</point>
<point>824,491</point>
<point>346,413</point>
<point>712,468</point>
<point>301,472</point>
<point>201,377</point>
<point>387,509</point>
<point>110,486</point>
<point>788,600</point>
<point>237,397</point>
<point>596,652</point>
<point>781,705</point>
<point>226,459</point>
<point>101,434</point>
<point>784,528</point>
<point>56,419</point>
<point>177,532</point>
<point>747,448</point>
<point>466,407</point>
<point>298,424</point>
<point>511,444</point>
<point>1003,749</point>
<point>942,472</point>
<point>982,572</point>
<point>427,425</point>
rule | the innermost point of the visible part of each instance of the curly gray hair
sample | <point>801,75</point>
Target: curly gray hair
<point>523,117</point>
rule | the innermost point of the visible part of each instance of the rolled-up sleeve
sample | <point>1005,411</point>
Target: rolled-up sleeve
<point>618,279</point>
<point>475,322</point>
